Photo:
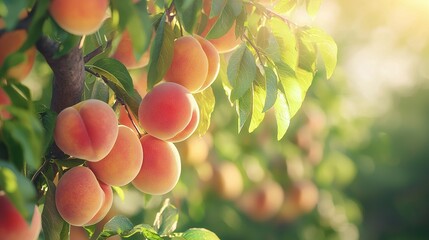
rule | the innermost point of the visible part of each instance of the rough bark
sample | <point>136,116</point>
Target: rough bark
<point>69,74</point>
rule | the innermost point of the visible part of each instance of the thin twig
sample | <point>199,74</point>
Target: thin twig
<point>254,47</point>
<point>97,51</point>
<point>131,119</point>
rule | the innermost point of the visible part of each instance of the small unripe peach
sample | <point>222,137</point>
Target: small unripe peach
<point>13,226</point>
<point>189,66</point>
<point>79,196</point>
<point>10,42</point>
<point>161,168</point>
<point>79,17</point>
<point>87,130</point>
<point>166,110</point>
<point>123,162</point>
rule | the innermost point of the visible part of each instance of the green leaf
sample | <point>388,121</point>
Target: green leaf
<point>161,53</point>
<point>217,7</point>
<point>286,40</point>
<point>236,6</point>
<point>48,119</point>
<point>285,6</point>
<point>119,192</point>
<point>259,96</point>
<point>188,13</point>
<point>327,48</point>
<point>290,87</point>
<point>271,88</point>
<point>223,23</point>
<point>145,229</point>
<point>199,234</point>
<point>115,71</point>
<point>18,188</point>
<point>116,225</point>
<point>166,219</point>
<point>206,103</point>
<point>14,8</point>
<point>282,115</point>
<point>19,94</point>
<point>122,9</point>
<point>24,138</point>
<point>313,6</point>
<point>140,28</point>
<point>36,24</point>
<point>241,71</point>
<point>268,43</point>
<point>54,227</point>
<point>244,108</point>
<point>307,50</point>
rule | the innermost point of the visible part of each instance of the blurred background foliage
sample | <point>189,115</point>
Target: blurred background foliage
<point>354,162</point>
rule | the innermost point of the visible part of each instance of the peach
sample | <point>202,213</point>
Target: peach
<point>140,83</point>
<point>166,110</point>
<point>191,127</point>
<point>194,151</point>
<point>124,53</point>
<point>189,66</point>
<point>225,43</point>
<point>161,168</point>
<point>124,119</point>
<point>79,17</point>
<point>213,61</point>
<point>264,201</point>
<point>123,162</point>
<point>11,42</point>
<point>227,180</point>
<point>305,195</point>
<point>13,226</point>
<point>105,207</point>
<point>4,101</point>
<point>87,130</point>
<point>79,196</point>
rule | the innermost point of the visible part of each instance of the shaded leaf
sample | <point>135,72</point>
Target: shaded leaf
<point>54,227</point>
<point>115,71</point>
<point>223,23</point>
<point>199,234</point>
<point>271,88</point>
<point>188,13</point>
<point>244,108</point>
<point>161,53</point>
<point>241,71</point>
<point>166,219</point>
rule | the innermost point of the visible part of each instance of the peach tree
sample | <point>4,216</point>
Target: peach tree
<point>127,80</point>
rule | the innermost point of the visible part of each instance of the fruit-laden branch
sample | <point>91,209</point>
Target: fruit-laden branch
<point>69,74</point>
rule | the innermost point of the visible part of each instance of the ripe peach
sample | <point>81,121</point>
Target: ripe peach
<point>166,110</point>
<point>79,17</point>
<point>191,127</point>
<point>189,66</point>
<point>213,61</point>
<point>263,202</point>
<point>13,226</point>
<point>11,42</point>
<point>305,195</point>
<point>4,101</point>
<point>225,43</point>
<point>227,180</point>
<point>140,83</point>
<point>78,233</point>
<point>194,151</point>
<point>123,162</point>
<point>161,168</point>
<point>124,53</point>
<point>87,130</point>
<point>79,196</point>
<point>105,207</point>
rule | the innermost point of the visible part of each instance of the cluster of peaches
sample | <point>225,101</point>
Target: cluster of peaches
<point>115,154</point>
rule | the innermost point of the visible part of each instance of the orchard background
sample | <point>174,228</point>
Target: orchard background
<point>278,151</point>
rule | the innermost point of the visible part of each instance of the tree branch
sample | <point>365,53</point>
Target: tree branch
<point>69,74</point>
